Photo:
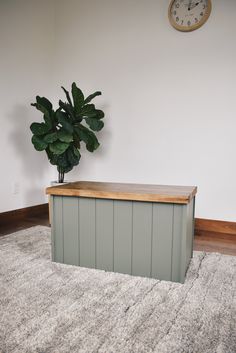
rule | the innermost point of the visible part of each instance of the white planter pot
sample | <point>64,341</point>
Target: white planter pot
<point>55,183</point>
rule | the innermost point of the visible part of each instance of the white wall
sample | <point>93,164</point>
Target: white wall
<point>27,48</point>
<point>169,97</point>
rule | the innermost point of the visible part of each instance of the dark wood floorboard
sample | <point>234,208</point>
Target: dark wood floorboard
<point>215,244</point>
<point>212,242</point>
<point>9,228</point>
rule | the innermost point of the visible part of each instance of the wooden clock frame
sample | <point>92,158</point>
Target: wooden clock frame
<point>189,28</point>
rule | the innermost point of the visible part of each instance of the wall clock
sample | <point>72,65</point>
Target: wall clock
<point>188,15</point>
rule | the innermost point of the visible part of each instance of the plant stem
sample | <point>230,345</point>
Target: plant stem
<point>60,176</point>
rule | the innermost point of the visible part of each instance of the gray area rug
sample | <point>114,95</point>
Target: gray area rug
<point>53,308</point>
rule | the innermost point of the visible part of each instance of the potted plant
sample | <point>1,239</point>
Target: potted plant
<point>63,129</point>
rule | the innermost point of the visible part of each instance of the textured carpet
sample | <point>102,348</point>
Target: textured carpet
<point>53,308</point>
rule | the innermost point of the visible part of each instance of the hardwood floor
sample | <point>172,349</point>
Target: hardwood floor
<point>8,228</point>
<point>204,241</point>
<point>215,242</point>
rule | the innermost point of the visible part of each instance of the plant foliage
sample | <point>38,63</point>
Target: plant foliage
<point>63,130</point>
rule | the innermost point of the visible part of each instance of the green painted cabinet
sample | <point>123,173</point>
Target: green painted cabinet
<point>143,238</point>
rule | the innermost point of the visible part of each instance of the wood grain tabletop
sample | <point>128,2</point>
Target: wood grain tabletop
<point>121,191</point>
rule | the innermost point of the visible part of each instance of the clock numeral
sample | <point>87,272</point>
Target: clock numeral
<point>201,14</point>
<point>177,19</point>
<point>196,20</point>
<point>182,22</point>
<point>189,23</point>
<point>177,5</point>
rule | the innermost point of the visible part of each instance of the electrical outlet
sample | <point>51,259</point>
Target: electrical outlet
<point>16,188</point>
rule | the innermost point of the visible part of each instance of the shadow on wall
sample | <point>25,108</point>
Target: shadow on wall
<point>34,164</point>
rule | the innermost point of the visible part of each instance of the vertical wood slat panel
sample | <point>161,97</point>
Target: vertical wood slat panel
<point>71,230</point>
<point>104,234</point>
<point>142,238</point>
<point>162,241</point>
<point>51,221</point>
<point>122,236</point>
<point>193,226</point>
<point>180,239</point>
<point>189,239</point>
<point>177,243</point>
<point>184,243</point>
<point>57,229</point>
<point>87,232</point>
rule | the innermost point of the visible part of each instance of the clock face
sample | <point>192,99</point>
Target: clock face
<point>187,15</point>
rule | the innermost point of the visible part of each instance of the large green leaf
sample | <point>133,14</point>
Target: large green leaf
<point>66,169</point>
<point>68,109</point>
<point>56,115</point>
<point>44,102</point>
<point>99,114</point>
<point>67,95</point>
<point>91,96</point>
<point>45,106</point>
<point>39,128</point>
<point>76,152</point>
<point>62,160</point>
<point>64,121</point>
<point>96,113</point>
<point>39,143</point>
<point>76,140</point>
<point>72,157</point>
<point>65,136</point>
<point>78,97</point>
<point>52,137</point>
<point>52,157</point>
<point>82,133</point>
<point>53,119</point>
<point>48,120</point>
<point>88,137</point>
<point>88,108</point>
<point>58,147</point>
<point>94,124</point>
<point>92,144</point>
<point>91,114</point>
<point>78,118</point>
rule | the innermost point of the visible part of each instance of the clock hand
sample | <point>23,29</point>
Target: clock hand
<point>194,5</point>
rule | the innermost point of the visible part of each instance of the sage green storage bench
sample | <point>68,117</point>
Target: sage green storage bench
<point>143,230</point>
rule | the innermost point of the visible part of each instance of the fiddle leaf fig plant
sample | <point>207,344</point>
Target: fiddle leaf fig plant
<point>63,130</point>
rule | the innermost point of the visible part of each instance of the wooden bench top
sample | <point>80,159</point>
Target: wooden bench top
<point>120,191</point>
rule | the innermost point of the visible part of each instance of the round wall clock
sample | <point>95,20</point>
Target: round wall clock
<point>188,15</point>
